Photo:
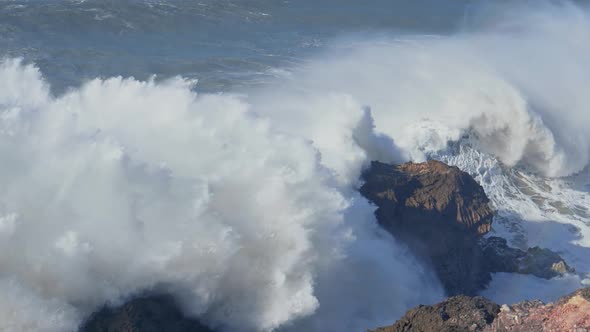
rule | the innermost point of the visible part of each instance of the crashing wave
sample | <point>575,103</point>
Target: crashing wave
<point>245,208</point>
<point>123,186</point>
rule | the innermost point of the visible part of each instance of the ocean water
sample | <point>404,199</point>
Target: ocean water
<point>212,149</point>
<point>225,44</point>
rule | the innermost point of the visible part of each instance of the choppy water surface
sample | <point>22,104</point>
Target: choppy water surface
<point>222,43</point>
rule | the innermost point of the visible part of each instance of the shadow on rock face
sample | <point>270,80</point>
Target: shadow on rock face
<point>441,214</point>
<point>153,313</point>
<point>540,262</point>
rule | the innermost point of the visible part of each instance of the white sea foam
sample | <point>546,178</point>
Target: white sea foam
<point>245,208</point>
<point>510,88</point>
<point>123,186</point>
<point>518,83</point>
<point>533,211</point>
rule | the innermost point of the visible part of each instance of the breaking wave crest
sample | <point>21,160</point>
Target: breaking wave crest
<point>245,207</point>
<point>517,82</point>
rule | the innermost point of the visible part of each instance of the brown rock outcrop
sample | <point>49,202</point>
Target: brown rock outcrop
<point>440,212</point>
<point>461,313</point>
<point>432,189</point>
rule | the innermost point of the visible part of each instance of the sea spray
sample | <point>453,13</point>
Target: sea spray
<point>123,186</point>
<point>245,208</point>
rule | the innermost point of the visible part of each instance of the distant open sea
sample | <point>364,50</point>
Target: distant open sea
<point>223,43</point>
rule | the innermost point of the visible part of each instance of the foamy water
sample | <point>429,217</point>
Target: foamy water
<point>243,204</point>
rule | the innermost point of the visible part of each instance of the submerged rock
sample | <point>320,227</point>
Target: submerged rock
<point>477,314</point>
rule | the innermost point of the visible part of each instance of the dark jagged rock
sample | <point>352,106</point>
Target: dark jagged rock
<point>156,313</point>
<point>540,262</point>
<point>442,213</point>
<point>439,212</point>
<point>459,313</point>
<point>462,313</point>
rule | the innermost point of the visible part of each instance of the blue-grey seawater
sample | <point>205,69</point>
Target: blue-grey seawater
<point>222,43</point>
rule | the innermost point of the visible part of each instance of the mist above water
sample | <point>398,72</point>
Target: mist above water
<point>245,206</point>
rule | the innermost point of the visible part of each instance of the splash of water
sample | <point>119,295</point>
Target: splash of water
<point>245,208</point>
<point>124,186</point>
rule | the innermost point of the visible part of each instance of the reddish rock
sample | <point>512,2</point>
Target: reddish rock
<point>571,313</point>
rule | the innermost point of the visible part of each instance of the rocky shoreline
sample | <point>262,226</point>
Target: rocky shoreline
<point>477,314</point>
<point>443,215</point>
